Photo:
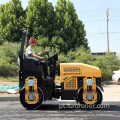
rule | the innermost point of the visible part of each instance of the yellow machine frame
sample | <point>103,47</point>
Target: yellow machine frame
<point>69,72</point>
<point>27,91</point>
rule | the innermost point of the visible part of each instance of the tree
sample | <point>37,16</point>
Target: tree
<point>68,27</point>
<point>40,18</point>
<point>12,20</point>
<point>43,42</point>
<point>58,44</point>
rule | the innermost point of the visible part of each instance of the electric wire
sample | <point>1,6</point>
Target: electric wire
<point>101,33</point>
<point>90,16</point>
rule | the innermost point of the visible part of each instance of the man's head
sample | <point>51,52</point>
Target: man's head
<point>32,42</point>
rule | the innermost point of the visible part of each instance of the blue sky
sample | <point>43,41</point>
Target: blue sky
<point>93,15</point>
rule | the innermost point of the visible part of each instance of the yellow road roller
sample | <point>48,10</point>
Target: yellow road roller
<point>78,81</point>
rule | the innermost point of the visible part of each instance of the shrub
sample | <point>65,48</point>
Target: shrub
<point>9,54</point>
<point>8,59</point>
<point>107,64</point>
<point>7,69</point>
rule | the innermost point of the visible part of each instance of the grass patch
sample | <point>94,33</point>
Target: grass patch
<point>9,79</point>
<point>57,80</point>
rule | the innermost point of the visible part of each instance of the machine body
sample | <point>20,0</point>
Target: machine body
<point>78,81</point>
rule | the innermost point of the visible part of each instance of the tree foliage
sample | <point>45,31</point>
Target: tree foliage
<point>43,41</point>
<point>62,27</point>
<point>69,27</point>
<point>58,28</point>
<point>58,44</point>
<point>12,20</point>
<point>40,18</point>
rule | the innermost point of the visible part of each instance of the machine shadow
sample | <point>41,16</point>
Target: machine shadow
<point>54,107</point>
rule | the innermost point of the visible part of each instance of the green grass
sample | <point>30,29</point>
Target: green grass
<point>9,79</point>
<point>57,80</point>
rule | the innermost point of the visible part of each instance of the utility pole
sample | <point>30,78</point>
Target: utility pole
<point>107,14</point>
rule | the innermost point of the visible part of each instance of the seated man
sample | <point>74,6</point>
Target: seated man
<point>31,54</point>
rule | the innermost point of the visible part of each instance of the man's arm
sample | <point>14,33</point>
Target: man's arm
<point>42,53</point>
<point>36,56</point>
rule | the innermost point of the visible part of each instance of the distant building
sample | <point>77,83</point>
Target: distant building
<point>103,53</point>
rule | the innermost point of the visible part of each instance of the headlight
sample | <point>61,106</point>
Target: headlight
<point>89,82</point>
<point>31,82</point>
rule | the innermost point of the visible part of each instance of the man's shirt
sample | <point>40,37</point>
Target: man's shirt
<point>29,51</point>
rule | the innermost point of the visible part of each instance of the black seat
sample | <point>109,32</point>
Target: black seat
<point>24,56</point>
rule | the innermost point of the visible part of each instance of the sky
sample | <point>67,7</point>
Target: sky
<point>93,15</point>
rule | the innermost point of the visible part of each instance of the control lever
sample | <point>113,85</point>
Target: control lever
<point>47,53</point>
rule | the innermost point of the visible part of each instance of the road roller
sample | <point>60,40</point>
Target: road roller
<point>78,81</point>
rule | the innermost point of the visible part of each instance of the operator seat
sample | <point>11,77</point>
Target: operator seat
<point>31,64</point>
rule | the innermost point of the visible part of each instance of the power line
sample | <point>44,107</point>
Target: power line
<point>89,21</point>
<point>104,33</point>
<point>92,16</point>
<point>95,12</point>
<point>115,21</point>
<point>114,9</point>
<point>92,10</point>
<point>101,33</point>
<point>99,17</point>
<point>115,18</point>
<point>96,20</point>
<point>92,19</point>
<point>90,13</point>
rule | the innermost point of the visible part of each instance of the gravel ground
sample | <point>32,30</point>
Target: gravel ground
<point>8,83</point>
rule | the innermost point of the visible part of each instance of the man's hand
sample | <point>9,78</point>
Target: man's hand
<point>46,51</point>
<point>42,58</point>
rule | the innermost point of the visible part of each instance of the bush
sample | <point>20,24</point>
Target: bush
<point>9,54</point>
<point>61,59</point>
<point>7,69</point>
<point>107,63</point>
<point>8,59</point>
<point>1,41</point>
